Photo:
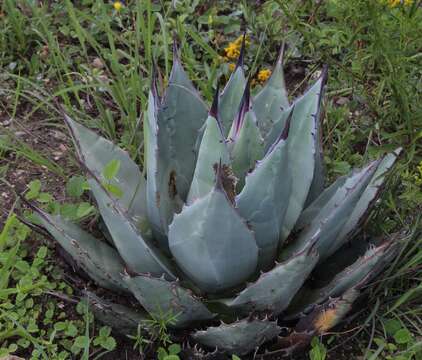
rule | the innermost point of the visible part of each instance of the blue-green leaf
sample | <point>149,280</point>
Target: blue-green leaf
<point>368,198</point>
<point>160,297</point>
<point>97,153</point>
<point>171,132</point>
<point>274,290</point>
<point>302,143</point>
<point>137,251</point>
<point>214,260</point>
<point>212,151</point>
<point>272,99</point>
<point>329,221</point>
<point>373,261</point>
<point>121,318</point>
<point>240,337</point>
<point>232,94</point>
<point>99,260</point>
<point>245,141</point>
<point>264,199</point>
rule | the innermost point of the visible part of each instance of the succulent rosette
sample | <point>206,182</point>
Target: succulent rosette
<point>232,229</point>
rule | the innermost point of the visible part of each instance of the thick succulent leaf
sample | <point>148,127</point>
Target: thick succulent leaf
<point>272,99</point>
<point>368,198</point>
<point>331,218</point>
<point>274,290</point>
<point>160,297</point>
<point>318,180</point>
<point>180,118</point>
<point>246,143</point>
<point>121,318</point>
<point>161,204</point>
<point>137,251</point>
<point>277,128</point>
<point>99,260</point>
<point>262,202</point>
<point>231,95</point>
<point>214,260</point>
<point>171,132</point>
<point>326,316</point>
<point>319,321</point>
<point>95,152</point>
<point>247,148</point>
<point>302,144</point>
<point>212,150</point>
<point>178,74</point>
<point>240,337</point>
<point>197,353</point>
<point>361,208</point>
<point>312,211</point>
<point>332,279</point>
<point>374,260</point>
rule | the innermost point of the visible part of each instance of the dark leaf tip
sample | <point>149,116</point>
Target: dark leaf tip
<point>241,57</point>
<point>285,133</point>
<point>324,75</point>
<point>214,107</point>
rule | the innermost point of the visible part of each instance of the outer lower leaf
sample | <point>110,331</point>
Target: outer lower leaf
<point>96,152</point>
<point>231,95</point>
<point>138,253</point>
<point>312,211</point>
<point>212,150</point>
<point>362,207</point>
<point>99,260</point>
<point>329,314</point>
<point>121,318</point>
<point>274,290</point>
<point>160,297</point>
<point>359,270</point>
<point>368,198</point>
<point>302,144</point>
<point>240,337</point>
<point>374,259</point>
<point>331,218</point>
<point>319,321</point>
<point>262,202</point>
<point>212,244</point>
<point>272,99</point>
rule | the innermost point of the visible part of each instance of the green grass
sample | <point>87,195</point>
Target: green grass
<point>97,62</point>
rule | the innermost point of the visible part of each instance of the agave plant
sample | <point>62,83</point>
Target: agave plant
<point>231,230</point>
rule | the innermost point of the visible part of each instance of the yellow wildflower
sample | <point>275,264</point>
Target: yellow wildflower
<point>232,51</point>
<point>232,66</point>
<point>117,5</point>
<point>263,75</point>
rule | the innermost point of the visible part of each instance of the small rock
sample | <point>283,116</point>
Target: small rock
<point>97,63</point>
<point>342,100</point>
